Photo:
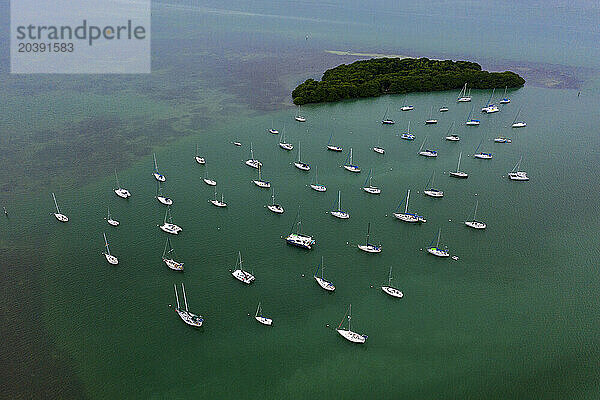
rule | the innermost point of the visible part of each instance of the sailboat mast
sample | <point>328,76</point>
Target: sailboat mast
<point>55,204</point>
<point>458,166</point>
<point>322,267</point>
<point>176,296</point>
<point>406,205</point>
<point>184,298</point>
<point>349,316</point>
<point>339,201</point>
<point>155,164</point>
<point>476,205</point>
<point>437,245</point>
<point>390,277</point>
<point>106,243</point>
<point>368,232</point>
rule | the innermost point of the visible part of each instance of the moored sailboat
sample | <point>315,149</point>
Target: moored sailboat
<point>59,216</point>
<point>199,160</point>
<point>276,208</point>
<point>299,117</point>
<point>283,144</point>
<point>518,124</point>
<point>119,191</point>
<point>431,120</point>
<point>406,216</point>
<point>338,213</point>
<point>463,97</point>
<point>349,334</point>
<point>370,247</point>
<point>450,135</point>
<point>168,225</point>
<point>332,147</point>
<point>325,284</point>
<point>208,181</point>
<point>458,173</point>
<point>427,152</point>
<point>110,220</point>
<point>162,199</point>
<point>157,175</point>
<point>316,185</point>
<point>169,256</point>
<point>474,223</point>
<point>349,165</point>
<point>109,257</point>
<point>430,190</point>
<point>186,315</point>
<point>482,155</point>
<point>435,250</point>
<point>407,135</point>
<point>298,239</point>
<point>261,318</point>
<point>370,188</point>
<point>516,175</point>
<point>471,121</point>
<point>299,164</point>
<point>252,162</point>
<point>505,99</point>
<point>386,120</point>
<point>260,183</point>
<point>240,274</point>
<point>216,202</point>
<point>389,289</point>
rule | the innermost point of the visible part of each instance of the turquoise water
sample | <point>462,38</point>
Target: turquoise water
<point>514,317</point>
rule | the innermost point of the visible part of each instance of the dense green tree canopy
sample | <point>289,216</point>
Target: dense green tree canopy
<point>369,78</point>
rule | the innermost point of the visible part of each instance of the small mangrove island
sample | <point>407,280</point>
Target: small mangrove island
<point>377,76</point>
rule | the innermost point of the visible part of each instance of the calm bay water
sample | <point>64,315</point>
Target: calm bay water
<point>514,317</point>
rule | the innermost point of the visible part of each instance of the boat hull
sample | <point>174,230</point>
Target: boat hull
<point>325,284</point>
<point>318,188</point>
<point>172,264</point>
<point>200,160</point>
<point>352,168</point>
<point>518,176</point>
<point>218,203</point>
<point>113,222</point>
<point>340,214</point>
<point>411,218</point>
<point>370,248</point>
<point>111,259</point>
<point>171,228</point>
<point>334,148</point>
<point>164,200</point>
<point>372,190</point>
<point>392,291</point>
<point>190,319</point>
<point>459,175</point>
<point>209,182</point>
<point>243,276</point>
<point>253,163</point>
<point>304,242</point>
<point>438,252</point>
<point>159,177</point>
<point>475,224</point>
<point>264,320</point>
<point>452,138</point>
<point>302,166</point>
<point>434,193</point>
<point>122,193</point>
<point>276,208</point>
<point>379,150</point>
<point>61,217</point>
<point>286,146</point>
<point>262,184</point>
<point>352,336</point>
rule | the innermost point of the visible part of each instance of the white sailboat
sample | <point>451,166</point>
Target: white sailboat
<point>261,318</point>
<point>348,165</point>
<point>518,124</point>
<point>505,99</point>
<point>240,274</point>
<point>378,149</point>
<point>208,181</point>
<point>298,239</point>
<point>444,109</point>
<point>168,225</point>
<point>431,120</point>
<point>407,135</point>
<point>299,117</point>
<point>390,290</point>
<point>370,247</point>
<point>406,216</point>
<point>199,160</point>
<point>332,147</point>
<point>427,152</point>
<point>338,213</point>
<point>109,257</point>
<point>325,284</point>
<point>386,120</point>
<point>348,334</point>
<point>162,199</point>
<point>458,173</point>
<point>260,183</point>
<point>370,188</point>
<point>450,135</point>
<point>276,208</point>
<point>110,220</point>
<point>516,175</point>
<point>407,107</point>
<point>59,216</point>
<point>299,164</point>
<point>169,255</point>
<point>463,97</point>
<point>238,144</point>
<point>252,162</point>
<point>430,190</point>
<point>435,250</point>
<point>186,315</point>
<point>471,121</point>
<point>119,191</point>
<point>157,175</point>
<point>490,108</point>
<point>474,223</point>
<point>502,139</point>
<point>216,202</point>
<point>482,155</point>
<point>317,186</point>
<point>283,144</point>
<point>272,130</point>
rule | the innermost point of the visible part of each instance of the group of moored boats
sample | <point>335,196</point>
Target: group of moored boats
<point>296,237</point>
